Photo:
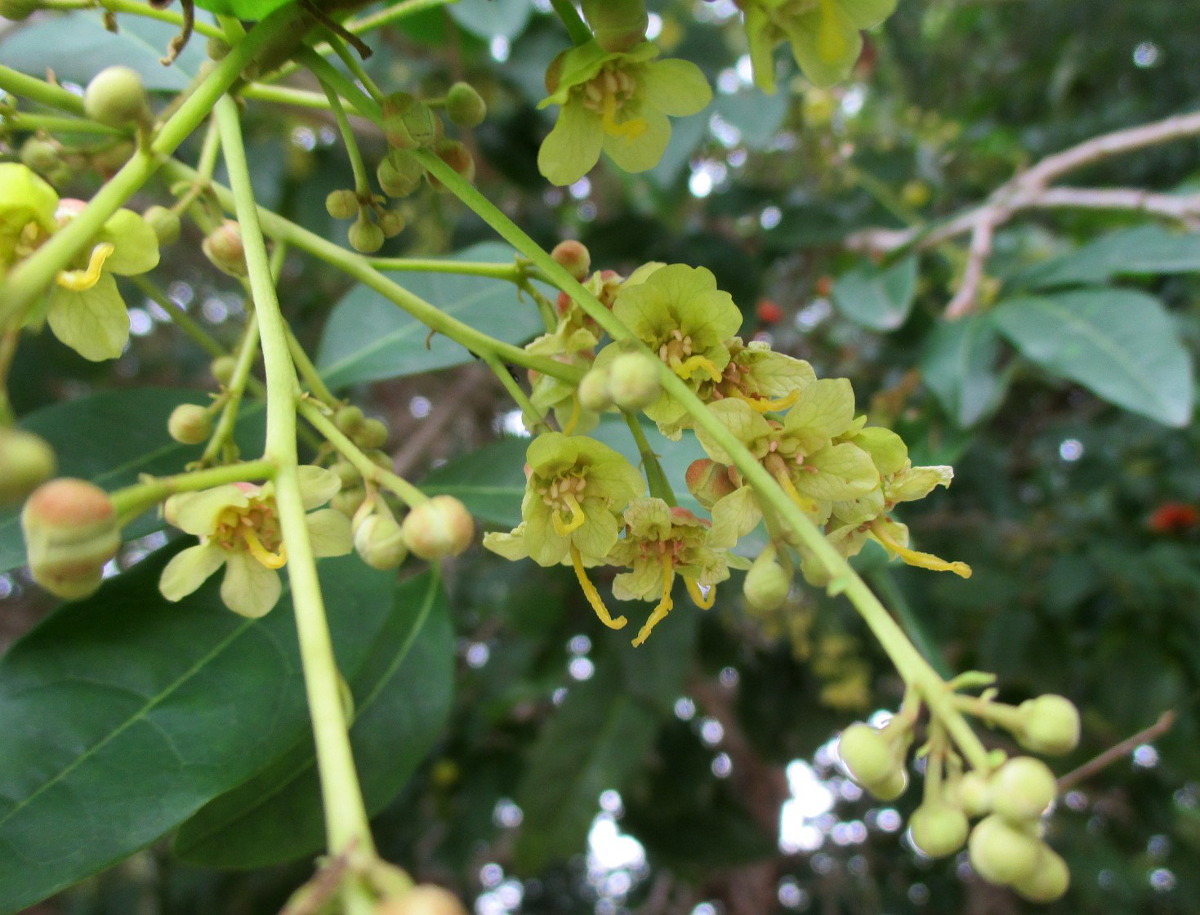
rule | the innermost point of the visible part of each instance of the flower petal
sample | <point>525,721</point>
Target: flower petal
<point>135,246</point>
<point>572,148</point>
<point>249,588</point>
<point>329,531</point>
<point>197,512</point>
<point>317,485</point>
<point>188,570</point>
<point>675,87</point>
<point>93,322</point>
<point>640,153</point>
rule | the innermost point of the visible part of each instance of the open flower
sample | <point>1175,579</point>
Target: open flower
<point>27,206</point>
<point>617,102</point>
<point>238,527</point>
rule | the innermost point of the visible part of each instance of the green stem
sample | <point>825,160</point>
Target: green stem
<point>362,179</point>
<point>308,371</point>
<point>286,95</point>
<point>515,391</point>
<point>57,124</point>
<point>512,273</point>
<point>247,354</point>
<point>36,90</point>
<point>576,27</point>
<point>655,476</point>
<point>392,13</point>
<point>133,500</point>
<point>345,814</point>
<point>353,64</point>
<point>885,585</point>
<point>909,663</point>
<point>132,8</point>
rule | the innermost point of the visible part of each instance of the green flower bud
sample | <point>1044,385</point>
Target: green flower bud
<point>973,792</point>
<point>938,829</point>
<point>424,899</point>
<point>399,173</point>
<point>891,787</point>
<point>1002,853</point>
<point>593,391</point>
<point>574,258</point>
<point>71,531</point>
<point>347,474</point>
<point>222,369</point>
<point>457,156</point>
<point>349,419</point>
<point>26,461</point>
<point>408,123</point>
<point>633,381</point>
<point>1049,881</point>
<point>41,155</point>
<point>438,528</point>
<point>1049,724</point>
<point>1022,789</point>
<point>17,10</point>
<point>767,585</point>
<point>380,542</point>
<point>617,24</point>
<point>868,755</point>
<point>371,433</point>
<point>342,204</point>
<point>708,481</point>
<point>392,223</point>
<point>190,424</point>
<point>465,106</point>
<point>364,235</point>
<point>164,222</point>
<point>347,501</point>
<point>116,97</point>
<point>224,248</point>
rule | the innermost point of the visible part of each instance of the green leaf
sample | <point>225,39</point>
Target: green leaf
<point>1145,250</point>
<point>755,115</point>
<point>81,434</point>
<point>368,338</point>
<point>77,47</point>
<point>595,741</point>
<point>243,9</point>
<point>1119,344</point>
<point>492,18</point>
<point>402,698</point>
<point>124,714</point>
<point>959,366</point>
<point>878,298</point>
<point>490,481</point>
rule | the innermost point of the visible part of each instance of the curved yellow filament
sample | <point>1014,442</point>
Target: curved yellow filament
<point>688,367</point>
<point>919,559</point>
<point>766,405</point>
<point>564,529</point>
<point>697,594</point>
<point>82,280</point>
<point>626,130</point>
<point>593,596</point>
<point>659,613</point>
<point>261,553</point>
<point>807,505</point>
<point>576,412</point>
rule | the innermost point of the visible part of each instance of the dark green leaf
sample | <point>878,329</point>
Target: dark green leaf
<point>81,433</point>
<point>959,366</point>
<point>243,9</point>
<point>1145,250</point>
<point>402,700</point>
<point>368,338</point>
<point>595,741</point>
<point>492,18</point>
<point>124,714</point>
<point>877,297</point>
<point>1119,344</point>
<point>78,47</point>
<point>489,481</point>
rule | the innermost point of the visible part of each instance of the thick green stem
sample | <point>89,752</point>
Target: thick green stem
<point>345,814</point>
<point>133,500</point>
<point>36,90</point>
<point>58,124</point>
<point>655,476</point>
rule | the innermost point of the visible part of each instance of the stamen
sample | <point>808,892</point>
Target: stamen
<point>919,559</point>
<point>766,405</point>
<point>82,280</point>
<point>261,553</point>
<point>577,516</point>
<point>593,596</point>
<point>659,613</point>
<point>702,596</point>
<point>809,506</point>
<point>688,367</point>
<point>627,130</point>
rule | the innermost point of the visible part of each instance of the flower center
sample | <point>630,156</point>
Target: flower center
<point>676,351</point>
<point>608,92</point>
<point>253,528</point>
<point>562,495</point>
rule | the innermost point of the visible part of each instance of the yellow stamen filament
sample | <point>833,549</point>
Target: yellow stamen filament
<point>593,596</point>
<point>807,505</point>
<point>564,528</point>
<point>627,130</point>
<point>686,368</point>
<point>919,559</point>
<point>261,553</point>
<point>765,405</point>
<point>576,412</point>
<point>659,613</point>
<point>697,594</point>
<point>82,280</point>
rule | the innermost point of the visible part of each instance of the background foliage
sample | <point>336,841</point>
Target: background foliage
<point>1065,407</point>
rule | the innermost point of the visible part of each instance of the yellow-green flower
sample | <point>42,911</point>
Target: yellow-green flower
<point>238,527</point>
<point>27,206</point>
<point>617,102</point>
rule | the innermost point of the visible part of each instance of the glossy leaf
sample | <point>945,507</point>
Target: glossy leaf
<point>878,298</point>
<point>81,434</point>
<point>368,338</point>
<point>490,481</point>
<point>243,9</point>
<point>402,698</point>
<point>1119,344</point>
<point>959,366</point>
<point>1145,250</point>
<point>124,714</point>
<point>492,18</point>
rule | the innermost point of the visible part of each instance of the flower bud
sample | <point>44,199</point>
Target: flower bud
<point>766,586</point>
<point>71,531</point>
<point>1002,853</point>
<point>891,787</point>
<point>116,97</point>
<point>465,106</point>
<point>868,756</point>
<point>164,222</point>
<point>574,257</point>
<point>347,474</point>
<point>40,155</point>
<point>973,792</point>
<point>342,204</point>
<point>457,156</point>
<point>189,424</point>
<point>364,236</point>
<point>618,24</point>
<point>224,248</point>
<point>408,123</point>
<point>347,501</point>
<point>1022,789</point>
<point>26,461</point>
<point>1049,881</point>
<point>17,10</point>
<point>708,481</point>
<point>399,173</point>
<point>349,419</point>
<point>633,381</point>
<point>424,899</point>
<point>938,829</point>
<point>392,223</point>
<point>593,391</point>
<point>380,542</point>
<point>372,433</point>
<point>438,528</point>
<point>222,369</point>
<point>1049,724</point>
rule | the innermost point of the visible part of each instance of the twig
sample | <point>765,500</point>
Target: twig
<point>1164,723</point>
<point>977,254</point>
